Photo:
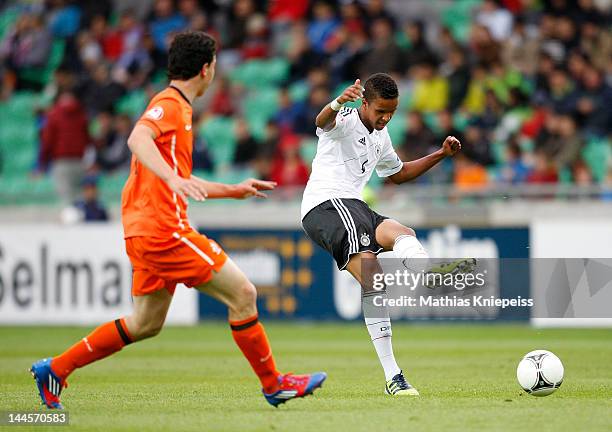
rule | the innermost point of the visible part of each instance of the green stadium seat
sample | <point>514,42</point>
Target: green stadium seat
<point>298,91</point>
<point>397,129</point>
<point>458,18</point>
<point>7,18</point>
<point>259,106</point>
<point>308,149</point>
<point>133,103</point>
<point>111,185</point>
<point>597,154</point>
<point>257,73</point>
<point>220,137</point>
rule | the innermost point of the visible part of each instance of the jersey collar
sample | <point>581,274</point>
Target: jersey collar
<point>181,93</point>
<point>364,126</point>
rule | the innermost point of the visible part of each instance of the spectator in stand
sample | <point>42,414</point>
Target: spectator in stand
<point>375,9</point>
<point>288,112</point>
<point>457,73</point>
<point>563,94</point>
<point>495,18</point>
<point>384,54</point>
<point>514,170</point>
<point>446,127</point>
<point>567,34</point>
<point>255,45</point>
<point>246,146</point>
<point>90,207</point>
<point>543,171</point>
<point>112,152</point>
<point>419,139</point>
<point>486,49</point>
<point>92,8</point>
<point>475,99</point>
<point>521,49</point>
<point>594,104</point>
<point>430,92</point>
<point>560,141</point>
<point>27,44</point>
<point>308,110</point>
<point>238,19</point>
<point>288,168</point>
<point>281,10</point>
<point>109,39</point>
<point>164,23</point>
<point>64,139</point>
<point>100,92</point>
<point>596,42</point>
<point>222,101</point>
<point>419,51</point>
<point>468,175</point>
<point>477,146</point>
<point>300,54</point>
<point>323,25</point>
<point>581,174</point>
<point>134,64</point>
<point>64,18</point>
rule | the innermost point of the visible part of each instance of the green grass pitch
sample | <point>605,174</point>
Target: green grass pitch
<point>194,378</point>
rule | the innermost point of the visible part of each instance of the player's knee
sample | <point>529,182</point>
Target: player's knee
<point>146,329</point>
<point>245,297</point>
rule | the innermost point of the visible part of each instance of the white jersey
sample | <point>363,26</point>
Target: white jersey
<point>346,157</point>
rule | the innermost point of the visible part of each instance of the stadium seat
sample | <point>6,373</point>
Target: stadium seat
<point>458,16</point>
<point>220,138</point>
<point>308,149</point>
<point>7,18</point>
<point>259,106</point>
<point>298,91</point>
<point>257,73</point>
<point>111,185</point>
<point>597,154</point>
<point>133,103</point>
<point>397,129</point>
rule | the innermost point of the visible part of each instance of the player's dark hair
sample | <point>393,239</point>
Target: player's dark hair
<point>189,52</point>
<point>380,85</point>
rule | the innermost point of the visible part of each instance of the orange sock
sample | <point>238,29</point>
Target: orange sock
<point>102,342</point>
<point>250,336</point>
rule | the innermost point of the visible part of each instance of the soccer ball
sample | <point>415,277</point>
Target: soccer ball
<point>540,373</point>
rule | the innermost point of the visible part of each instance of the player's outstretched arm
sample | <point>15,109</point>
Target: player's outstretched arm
<point>246,189</point>
<point>415,168</point>
<point>141,143</point>
<point>326,119</point>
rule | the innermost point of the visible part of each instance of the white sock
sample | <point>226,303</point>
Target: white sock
<point>412,253</point>
<point>378,324</point>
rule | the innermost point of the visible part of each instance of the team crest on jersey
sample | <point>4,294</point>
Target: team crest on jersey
<point>365,239</point>
<point>378,150</point>
<point>155,113</point>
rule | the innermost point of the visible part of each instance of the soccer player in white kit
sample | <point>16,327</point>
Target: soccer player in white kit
<point>352,143</point>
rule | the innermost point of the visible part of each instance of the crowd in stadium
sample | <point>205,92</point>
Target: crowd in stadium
<point>524,84</point>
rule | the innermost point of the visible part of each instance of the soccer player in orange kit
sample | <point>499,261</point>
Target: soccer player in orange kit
<point>164,249</point>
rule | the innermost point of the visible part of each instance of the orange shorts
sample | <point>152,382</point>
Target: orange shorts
<point>188,258</point>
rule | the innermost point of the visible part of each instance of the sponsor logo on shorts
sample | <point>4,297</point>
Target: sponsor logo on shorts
<point>364,239</point>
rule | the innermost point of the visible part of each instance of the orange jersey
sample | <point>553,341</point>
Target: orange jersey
<point>148,206</point>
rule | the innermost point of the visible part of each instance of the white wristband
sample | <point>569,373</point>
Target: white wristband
<point>335,105</point>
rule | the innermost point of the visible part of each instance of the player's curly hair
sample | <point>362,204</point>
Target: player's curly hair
<point>380,85</point>
<point>189,52</point>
